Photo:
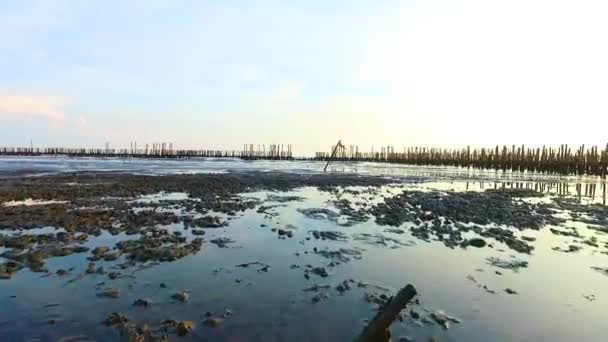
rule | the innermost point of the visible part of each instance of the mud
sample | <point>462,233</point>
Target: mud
<point>141,231</point>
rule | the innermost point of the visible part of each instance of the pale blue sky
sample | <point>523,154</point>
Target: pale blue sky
<point>225,73</point>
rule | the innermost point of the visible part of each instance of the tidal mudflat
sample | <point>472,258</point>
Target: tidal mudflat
<point>277,256</point>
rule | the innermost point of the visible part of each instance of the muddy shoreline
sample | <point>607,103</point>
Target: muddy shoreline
<point>159,220</point>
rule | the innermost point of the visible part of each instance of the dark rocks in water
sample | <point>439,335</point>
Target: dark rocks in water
<point>159,247</point>
<point>510,291</point>
<point>478,208</point>
<point>62,272</point>
<point>213,322</point>
<point>111,256</point>
<point>595,214</point>
<point>80,249</point>
<point>163,285</point>
<point>99,252</point>
<point>222,242</point>
<point>142,302</point>
<point>414,314</point>
<point>477,242</point>
<point>263,268</point>
<point>443,319</point>
<point>376,298</point>
<point>515,192</point>
<point>571,249</point>
<point>381,240</point>
<point>284,199</point>
<point>9,268</point>
<point>329,235</point>
<point>528,238</point>
<point>572,232</point>
<point>198,232</point>
<point>601,270</point>
<point>507,237</point>
<point>227,313</point>
<point>184,327</point>
<point>592,241</point>
<point>284,232</point>
<point>319,297</point>
<point>182,296</point>
<point>320,271</point>
<point>109,293</point>
<point>115,318</point>
<point>208,222</point>
<point>342,255</point>
<point>316,288</point>
<point>114,275</point>
<point>513,265</point>
<point>91,268</point>
<point>344,286</point>
<point>320,213</point>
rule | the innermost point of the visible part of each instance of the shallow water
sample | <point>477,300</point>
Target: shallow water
<point>272,306</point>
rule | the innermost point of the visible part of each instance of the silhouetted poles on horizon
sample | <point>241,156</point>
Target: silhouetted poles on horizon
<point>556,160</point>
<point>561,160</point>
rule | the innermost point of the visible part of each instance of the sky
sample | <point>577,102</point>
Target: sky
<point>220,74</point>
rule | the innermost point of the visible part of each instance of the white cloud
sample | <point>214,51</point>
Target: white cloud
<point>28,107</point>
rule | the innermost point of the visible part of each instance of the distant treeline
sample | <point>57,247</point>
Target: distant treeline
<point>561,160</point>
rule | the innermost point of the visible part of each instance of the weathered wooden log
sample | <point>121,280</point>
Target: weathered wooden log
<point>376,330</point>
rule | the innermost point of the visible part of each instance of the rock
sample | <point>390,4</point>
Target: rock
<point>163,285</point>
<point>414,314</point>
<point>222,242</point>
<point>510,291</point>
<point>182,296</point>
<point>320,271</point>
<point>405,339</point>
<point>213,322</point>
<point>99,252</point>
<point>319,297</point>
<point>343,287</point>
<point>91,268</point>
<point>198,232</point>
<point>142,302</point>
<point>114,275</point>
<point>115,318</point>
<point>111,256</point>
<point>109,293</point>
<point>184,327</point>
<point>62,272</point>
<point>444,320</point>
<point>513,265</point>
<point>477,242</point>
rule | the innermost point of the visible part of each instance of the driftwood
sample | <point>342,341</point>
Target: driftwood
<point>333,154</point>
<point>377,329</point>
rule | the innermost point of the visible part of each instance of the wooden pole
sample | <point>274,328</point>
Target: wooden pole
<point>333,153</point>
<point>377,328</point>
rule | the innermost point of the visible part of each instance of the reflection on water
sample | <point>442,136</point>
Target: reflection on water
<point>559,296</point>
